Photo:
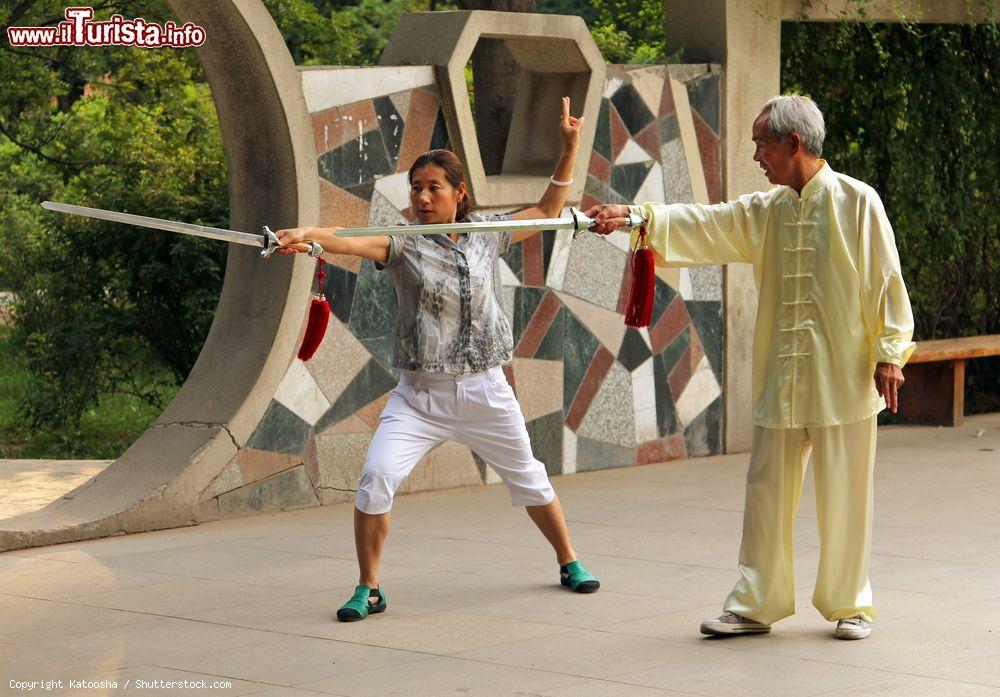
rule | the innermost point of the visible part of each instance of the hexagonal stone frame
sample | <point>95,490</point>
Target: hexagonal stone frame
<point>557,57</point>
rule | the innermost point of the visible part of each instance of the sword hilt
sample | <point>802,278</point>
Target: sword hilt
<point>582,222</point>
<point>271,243</point>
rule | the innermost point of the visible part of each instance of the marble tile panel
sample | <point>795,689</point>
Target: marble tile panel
<point>526,302</point>
<point>696,350</point>
<point>704,95</point>
<point>667,129</point>
<point>562,244</point>
<point>355,162</point>
<point>541,387</point>
<point>363,190</point>
<point>602,132</point>
<point>685,122</point>
<point>599,167</point>
<point>546,433</point>
<point>568,451</point>
<point>401,100</point>
<point>299,392</point>
<point>706,283</point>
<point>680,375</point>
<point>599,366</point>
<point>280,431</point>
<point>340,207</point>
<point>352,424</point>
<point>310,461</point>
<point>420,121</point>
<point>663,295</point>
<point>676,180</point>
<point>671,323</point>
<point>597,191</point>
<point>632,109</point>
<point>631,153</point>
<point>553,345</point>
<point>610,418</point>
<point>341,459</point>
<point>666,415</point>
<point>677,349</point>
<point>370,413</point>
<point>661,450</point>
<point>382,212</point>
<point>619,133</point>
<point>337,360</point>
<point>634,350</point>
<point>538,326</point>
<point>440,138</point>
<point>707,319</point>
<point>701,390</point>
<point>611,86</point>
<point>628,179</point>
<point>606,325</point>
<point>548,244</point>
<point>507,277</point>
<point>288,489</point>
<point>396,190</point>
<point>383,350</point>
<point>260,464</point>
<point>326,130</point>
<point>648,84</point>
<point>534,267</point>
<point>670,276</point>
<point>369,384</point>
<point>348,262</point>
<point>684,287</point>
<point>577,355</point>
<point>358,117</point>
<point>652,186</point>
<point>508,302</point>
<point>711,159</point>
<point>666,100</point>
<point>703,436</point>
<point>644,402</point>
<point>452,465</point>
<point>594,271</point>
<point>649,140</point>
<point>514,259</point>
<point>597,455</point>
<point>390,123</point>
<point>374,312</point>
<point>231,477</point>
<point>339,290</point>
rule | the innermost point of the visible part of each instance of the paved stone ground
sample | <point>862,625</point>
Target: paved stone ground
<point>474,608</point>
<point>27,485</point>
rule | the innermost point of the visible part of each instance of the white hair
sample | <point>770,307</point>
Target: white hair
<point>794,113</point>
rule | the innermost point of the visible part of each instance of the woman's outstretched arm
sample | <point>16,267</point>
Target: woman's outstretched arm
<point>296,241</point>
<point>551,203</point>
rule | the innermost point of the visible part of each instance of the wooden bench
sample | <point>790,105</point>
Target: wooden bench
<point>934,392</point>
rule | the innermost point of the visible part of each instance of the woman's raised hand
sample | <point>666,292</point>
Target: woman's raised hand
<point>569,128</point>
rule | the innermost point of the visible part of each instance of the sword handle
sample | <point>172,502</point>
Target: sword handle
<point>270,243</point>
<point>581,222</point>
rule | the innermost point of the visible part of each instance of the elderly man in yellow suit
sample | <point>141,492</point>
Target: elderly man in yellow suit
<point>833,331</point>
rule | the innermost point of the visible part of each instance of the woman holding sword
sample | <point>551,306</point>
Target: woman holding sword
<point>452,336</point>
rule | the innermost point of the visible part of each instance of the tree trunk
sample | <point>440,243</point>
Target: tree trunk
<point>494,78</point>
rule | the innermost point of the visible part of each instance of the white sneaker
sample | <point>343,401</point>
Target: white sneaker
<point>729,623</point>
<point>856,627</point>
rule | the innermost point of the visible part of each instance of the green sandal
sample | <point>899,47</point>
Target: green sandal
<point>576,576</point>
<point>365,601</point>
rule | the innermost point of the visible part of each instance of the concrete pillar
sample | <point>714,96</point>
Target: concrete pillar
<point>745,37</point>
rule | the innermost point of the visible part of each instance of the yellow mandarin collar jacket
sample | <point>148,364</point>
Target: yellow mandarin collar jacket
<point>832,302</point>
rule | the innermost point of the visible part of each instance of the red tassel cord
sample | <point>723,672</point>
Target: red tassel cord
<point>319,317</point>
<point>641,274</point>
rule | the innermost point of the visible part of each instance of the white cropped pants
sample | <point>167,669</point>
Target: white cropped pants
<point>844,458</point>
<point>478,410</point>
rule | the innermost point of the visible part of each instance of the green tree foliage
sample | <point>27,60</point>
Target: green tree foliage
<point>626,31</point>
<point>915,112</point>
<point>100,309</point>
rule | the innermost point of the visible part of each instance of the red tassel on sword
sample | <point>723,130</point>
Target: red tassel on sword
<point>636,303</point>
<point>319,317</point>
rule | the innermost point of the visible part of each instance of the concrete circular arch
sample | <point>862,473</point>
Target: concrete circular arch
<point>272,180</point>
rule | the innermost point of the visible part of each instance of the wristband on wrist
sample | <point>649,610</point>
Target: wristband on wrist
<point>556,182</point>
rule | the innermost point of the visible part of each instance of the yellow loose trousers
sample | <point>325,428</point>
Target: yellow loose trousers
<point>844,458</point>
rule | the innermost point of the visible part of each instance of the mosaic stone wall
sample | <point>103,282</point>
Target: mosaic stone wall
<point>594,394</point>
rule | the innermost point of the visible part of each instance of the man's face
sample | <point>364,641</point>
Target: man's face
<point>775,156</point>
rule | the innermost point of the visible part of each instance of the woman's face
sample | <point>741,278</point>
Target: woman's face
<point>432,198</point>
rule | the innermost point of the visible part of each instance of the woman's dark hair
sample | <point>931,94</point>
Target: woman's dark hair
<point>454,172</point>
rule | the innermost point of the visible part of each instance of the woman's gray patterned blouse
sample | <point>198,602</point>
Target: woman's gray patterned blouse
<point>451,317</point>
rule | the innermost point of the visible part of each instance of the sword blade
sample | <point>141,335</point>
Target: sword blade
<point>577,222</point>
<point>214,233</point>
